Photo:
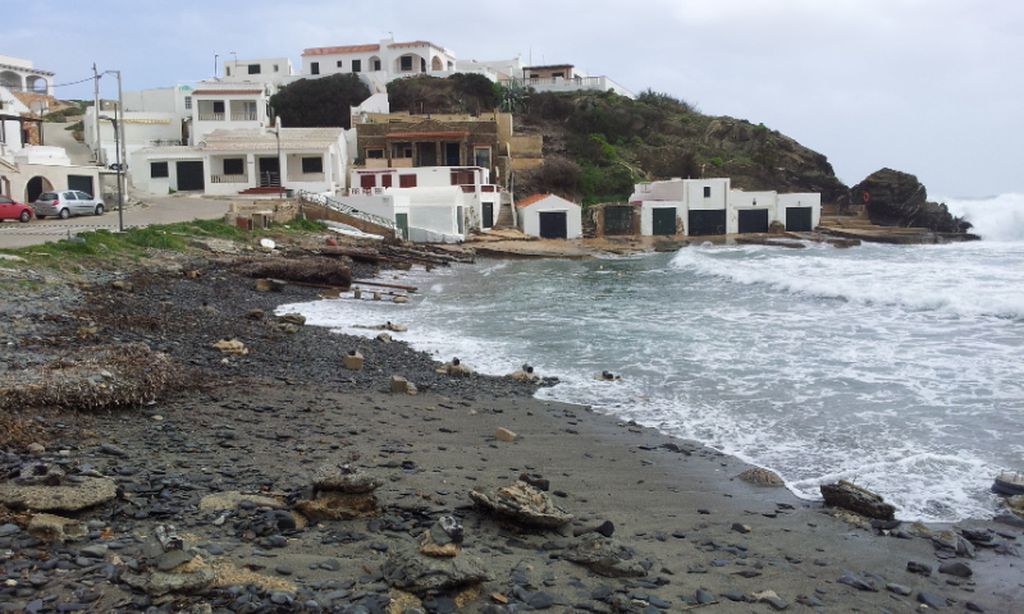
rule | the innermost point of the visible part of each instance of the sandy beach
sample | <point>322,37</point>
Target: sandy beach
<point>227,461</point>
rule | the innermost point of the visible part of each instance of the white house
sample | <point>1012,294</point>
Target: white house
<point>267,70</point>
<point>228,106</point>
<point>428,203</point>
<point>379,63</point>
<point>254,160</point>
<point>20,75</point>
<point>550,217</point>
<point>566,78</point>
<point>698,207</point>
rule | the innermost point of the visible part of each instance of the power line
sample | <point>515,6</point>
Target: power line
<point>72,82</point>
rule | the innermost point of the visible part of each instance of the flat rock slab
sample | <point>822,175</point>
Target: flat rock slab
<point>64,497</point>
<point>523,504</point>
<point>412,572</point>
<point>606,557</point>
<point>231,499</point>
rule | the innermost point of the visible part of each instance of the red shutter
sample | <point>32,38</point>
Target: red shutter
<point>385,180</point>
<point>407,181</point>
<point>368,181</point>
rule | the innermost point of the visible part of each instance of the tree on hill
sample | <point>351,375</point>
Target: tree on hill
<point>324,102</point>
<point>459,93</point>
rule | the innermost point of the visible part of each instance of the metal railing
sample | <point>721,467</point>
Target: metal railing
<point>211,117</point>
<point>229,178</point>
<point>339,206</point>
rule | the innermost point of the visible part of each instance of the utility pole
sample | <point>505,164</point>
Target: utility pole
<point>215,56</point>
<point>97,142</point>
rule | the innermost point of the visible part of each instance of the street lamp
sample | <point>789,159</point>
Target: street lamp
<point>117,166</point>
<point>118,144</point>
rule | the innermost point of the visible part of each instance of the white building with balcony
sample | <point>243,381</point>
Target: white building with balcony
<point>566,78</point>
<point>379,63</point>
<point>228,106</point>
<point>20,75</point>
<point>430,203</point>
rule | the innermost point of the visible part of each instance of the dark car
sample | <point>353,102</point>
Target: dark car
<point>11,209</point>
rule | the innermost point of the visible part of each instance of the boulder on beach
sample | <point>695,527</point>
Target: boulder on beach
<point>344,478</point>
<point>606,556</point>
<point>761,477</point>
<point>854,498</point>
<point>523,504</point>
<point>413,572</point>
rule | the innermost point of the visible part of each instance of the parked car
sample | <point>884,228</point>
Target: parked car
<point>11,209</point>
<point>67,203</point>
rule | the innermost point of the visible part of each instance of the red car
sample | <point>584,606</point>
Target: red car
<point>11,209</point>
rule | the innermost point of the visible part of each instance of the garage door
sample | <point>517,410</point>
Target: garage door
<point>798,219</point>
<point>755,220</point>
<point>707,222</point>
<point>190,176</point>
<point>664,221</point>
<point>82,183</point>
<point>618,220</point>
<point>553,225</point>
<point>487,211</point>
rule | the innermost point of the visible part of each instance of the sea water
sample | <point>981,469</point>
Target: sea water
<point>900,368</point>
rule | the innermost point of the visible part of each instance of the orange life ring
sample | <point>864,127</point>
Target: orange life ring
<point>866,196</point>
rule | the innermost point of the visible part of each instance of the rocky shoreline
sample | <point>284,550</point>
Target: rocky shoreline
<point>266,477</point>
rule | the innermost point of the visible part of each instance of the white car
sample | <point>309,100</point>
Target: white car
<point>67,203</point>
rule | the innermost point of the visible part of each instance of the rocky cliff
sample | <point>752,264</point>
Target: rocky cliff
<point>895,198</point>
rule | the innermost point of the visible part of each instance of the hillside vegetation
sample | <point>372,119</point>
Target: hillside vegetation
<point>615,141</point>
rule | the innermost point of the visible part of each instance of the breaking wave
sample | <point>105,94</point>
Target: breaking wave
<point>994,219</point>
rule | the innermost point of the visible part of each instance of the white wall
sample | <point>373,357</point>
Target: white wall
<point>739,199</point>
<point>529,216</point>
<point>271,70</point>
<point>693,192</point>
<point>388,56</point>
<point>140,168</point>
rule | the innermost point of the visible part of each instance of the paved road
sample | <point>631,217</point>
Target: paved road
<point>157,210</point>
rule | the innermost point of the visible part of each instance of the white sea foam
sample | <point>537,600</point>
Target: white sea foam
<point>897,367</point>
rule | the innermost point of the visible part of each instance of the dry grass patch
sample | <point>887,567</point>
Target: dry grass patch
<point>96,378</point>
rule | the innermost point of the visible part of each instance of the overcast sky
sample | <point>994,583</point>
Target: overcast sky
<point>931,87</point>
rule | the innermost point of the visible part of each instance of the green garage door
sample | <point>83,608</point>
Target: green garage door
<point>798,219</point>
<point>664,221</point>
<point>487,211</point>
<point>707,222</point>
<point>755,220</point>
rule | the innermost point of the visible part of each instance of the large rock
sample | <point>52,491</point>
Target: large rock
<point>69,497</point>
<point>410,571</point>
<point>523,504</point>
<point>52,528</point>
<point>606,556</point>
<point>194,576</point>
<point>894,198</point>
<point>345,479</point>
<point>856,499</point>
